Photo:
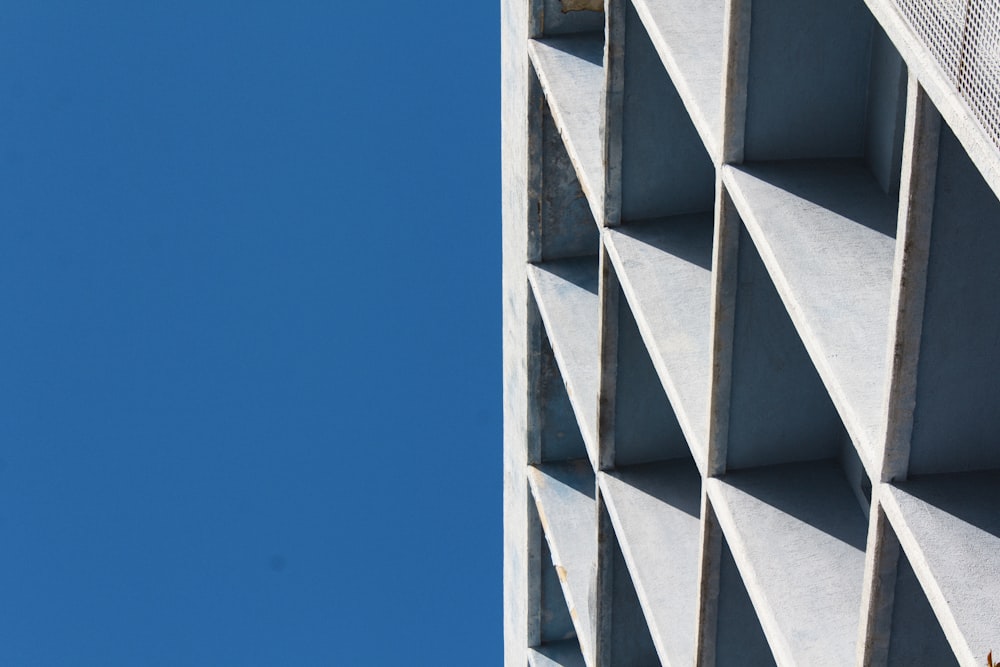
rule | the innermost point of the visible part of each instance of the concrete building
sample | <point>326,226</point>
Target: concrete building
<point>751,332</point>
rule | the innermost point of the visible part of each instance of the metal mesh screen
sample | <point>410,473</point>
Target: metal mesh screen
<point>964,37</point>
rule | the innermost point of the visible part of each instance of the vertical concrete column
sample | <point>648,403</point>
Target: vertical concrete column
<point>519,545</point>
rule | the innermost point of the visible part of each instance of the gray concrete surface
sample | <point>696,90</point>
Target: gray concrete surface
<point>750,339</point>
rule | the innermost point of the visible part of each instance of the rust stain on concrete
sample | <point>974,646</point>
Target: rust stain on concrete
<point>582,5</point>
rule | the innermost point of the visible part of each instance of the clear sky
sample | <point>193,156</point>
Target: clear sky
<point>250,377</point>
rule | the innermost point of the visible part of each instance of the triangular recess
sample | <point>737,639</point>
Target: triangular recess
<point>739,639</point>
<point>555,421</point>
<point>566,294</point>
<point>570,69</point>
<point>826,233</point>
<point>654,510</point>
<point>688,36</point>
<point>798,537</point>
<point>949,527</point>
<point>556,654</point>
<point>564,497</point>
<point>664,268</point>
<point>915,637</point>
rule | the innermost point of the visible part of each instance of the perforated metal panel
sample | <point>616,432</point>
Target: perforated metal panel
<point>964,37</point>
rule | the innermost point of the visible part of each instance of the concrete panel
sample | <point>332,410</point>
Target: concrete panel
<point>687,35</point>
<point>559,436</point>
<point>567,227</point>
<point>949,527</point>
<point>915,637</point>
<point>564,496</point>
<point>826,233</point>
<point>655,512</point>
<point>566,294</point>
<point>664,269</point>
<point>770,372</point>
<point>645,426</point>
<point>556,20</point>
<point>798,539</point>
<point>556,622</point>
<point>629,640</point>
<point>666,169</point>
<point>570,71</point>
<point>739,637</point>
<point>808,69</point>
<point>956,420</point>
<point>886,112</point>
<point>856,475</point>
<point>557,654</point>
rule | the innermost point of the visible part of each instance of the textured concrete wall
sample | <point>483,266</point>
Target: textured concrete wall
<point>750,339</point>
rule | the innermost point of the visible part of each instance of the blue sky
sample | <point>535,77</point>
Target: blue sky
<point>250,361</point>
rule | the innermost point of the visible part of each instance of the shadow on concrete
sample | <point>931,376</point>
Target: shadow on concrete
<point>815,492</point>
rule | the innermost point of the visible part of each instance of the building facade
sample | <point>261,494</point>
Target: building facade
<point>751,332</point>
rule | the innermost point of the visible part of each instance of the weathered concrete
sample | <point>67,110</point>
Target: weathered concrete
<point>645,427</point>
<point>665,169</point>
<point>566,293</point>
<point>564,653</point>
<point>826,233</point>
<point>569,69</point>
<point>798,539</point>
<point>520,624</point>
<point>794,88</point>
<point>750,339</point>
<point>770,371</point>
<point>956,420</point>
<point>564,496</point>
<point>652,506</point>
<point>664,269</point>
<point>949,527</point>
<point>623,636</point>
<point>688,36</point>
<point>909,277</point>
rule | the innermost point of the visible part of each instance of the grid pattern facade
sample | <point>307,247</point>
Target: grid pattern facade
<point>751,335</point>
